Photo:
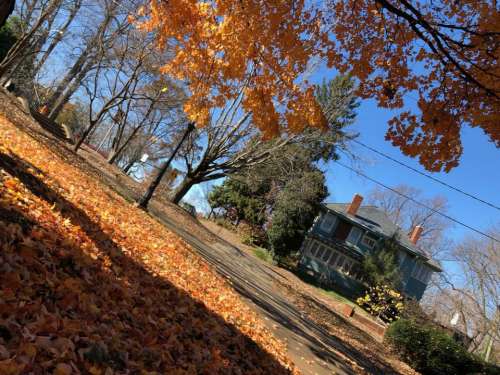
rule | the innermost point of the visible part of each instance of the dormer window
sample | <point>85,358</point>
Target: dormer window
<point>327,223</point>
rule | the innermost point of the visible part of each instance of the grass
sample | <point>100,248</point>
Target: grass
<point>263,254</point>
<point>336,296</point>
<point>332,293</point>
<point>341,298</point>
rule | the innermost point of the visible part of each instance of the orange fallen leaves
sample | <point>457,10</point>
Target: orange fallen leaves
<point>90,284</point>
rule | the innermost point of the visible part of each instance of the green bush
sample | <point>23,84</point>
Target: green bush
<point>431,351</point>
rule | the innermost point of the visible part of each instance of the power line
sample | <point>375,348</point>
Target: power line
<point>426,175</point>
<point>417,202</point>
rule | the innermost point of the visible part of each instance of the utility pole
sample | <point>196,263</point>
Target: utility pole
<point>143,202</point>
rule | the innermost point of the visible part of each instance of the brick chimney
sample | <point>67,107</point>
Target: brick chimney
<point>415,234</point>
<point>354,206</point>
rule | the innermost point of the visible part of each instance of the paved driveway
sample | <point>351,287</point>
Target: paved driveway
<point>310,346</point>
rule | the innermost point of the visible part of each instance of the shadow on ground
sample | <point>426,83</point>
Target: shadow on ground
<point>245,280</point>
<point>118,315</point>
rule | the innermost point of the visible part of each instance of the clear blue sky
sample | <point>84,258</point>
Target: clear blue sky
<point>477,174</point>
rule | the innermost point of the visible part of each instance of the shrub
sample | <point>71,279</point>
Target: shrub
<point>431,351</point>
<point>252,235</point>
<point>383,302</point>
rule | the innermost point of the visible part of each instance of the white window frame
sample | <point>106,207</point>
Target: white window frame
<point>351,234</point>
<point>313,247</point>
<point>368,236</point>
<point>340,261</point>
<point>324,225</point>
<point>333,258</point>
<point>321,248</point>
<point>329,252</point>
<point>421,272</point>
<point>348,262</point>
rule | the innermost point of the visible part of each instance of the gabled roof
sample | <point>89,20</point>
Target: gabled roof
<point>377,221</point>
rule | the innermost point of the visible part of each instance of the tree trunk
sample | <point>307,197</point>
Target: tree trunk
<point>183,188</point>
<point>68,86</point>
<point>129,165</point>
<point>79,69</point>
<point>144,201</point>
<point>59,36</point>
<point>84,136</point>
<point>116,153</point>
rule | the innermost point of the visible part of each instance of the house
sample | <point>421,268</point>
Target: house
<point>344,233</point>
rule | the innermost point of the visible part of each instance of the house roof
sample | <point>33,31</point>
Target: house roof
<point>376,220</point>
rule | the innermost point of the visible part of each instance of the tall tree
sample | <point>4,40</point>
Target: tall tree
<point>7,38</point>
<point>294,211</point>
<point>472,289</point>
<point>281,195</point>
<point>444,52</point>
<point>28,36</point>
<point>101,38</point>
<point>121,78</point>
<point>58,35</point>
<point>382,265</point>
<point>229,143</point>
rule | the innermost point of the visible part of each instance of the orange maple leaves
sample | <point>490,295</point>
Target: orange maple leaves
<point>224,47</point>
<point>446,53</point>
<point>89,284</point>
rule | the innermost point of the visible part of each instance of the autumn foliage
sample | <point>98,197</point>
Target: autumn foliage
<point>90,284</point>
<point>442,54</point>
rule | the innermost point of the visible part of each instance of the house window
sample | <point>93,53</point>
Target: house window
<point>346,267</point>
<point>354,235</point>
<point>333,258</point>
<point>313,248</point>
<point>327,223</point>
<point>369,241</point>
<point>421,272</point>
<point>321,250</point>
<point>340,261</point>
<point>326,255</point>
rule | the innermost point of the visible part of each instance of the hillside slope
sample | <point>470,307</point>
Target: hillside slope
<point>90,284</point>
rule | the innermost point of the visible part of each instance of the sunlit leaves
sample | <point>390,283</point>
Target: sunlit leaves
<point>443,55</point>
<point>90,284</point>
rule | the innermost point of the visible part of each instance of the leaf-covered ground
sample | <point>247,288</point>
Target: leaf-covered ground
<point>89,284</point>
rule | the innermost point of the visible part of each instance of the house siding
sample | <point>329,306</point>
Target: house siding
<point>347,284</point>
<point>415,288</point>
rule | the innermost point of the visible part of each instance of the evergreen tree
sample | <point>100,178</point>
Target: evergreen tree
<point>7,38</point>
<point>381,265</point>
<point>293,214</point>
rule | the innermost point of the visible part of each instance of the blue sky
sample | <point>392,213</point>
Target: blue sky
<point>477,174</point>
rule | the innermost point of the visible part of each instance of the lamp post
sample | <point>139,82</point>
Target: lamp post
<point>143,202</point>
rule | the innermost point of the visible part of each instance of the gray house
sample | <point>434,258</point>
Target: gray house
<point>344,233</point>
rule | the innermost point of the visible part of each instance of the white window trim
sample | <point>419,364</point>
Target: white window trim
<point>323,225</point>
<point>360,233</point>
<point>421,272</point>
<point>368,236</point>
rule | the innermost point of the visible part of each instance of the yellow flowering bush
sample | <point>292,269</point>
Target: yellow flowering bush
<point>382,301</point>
